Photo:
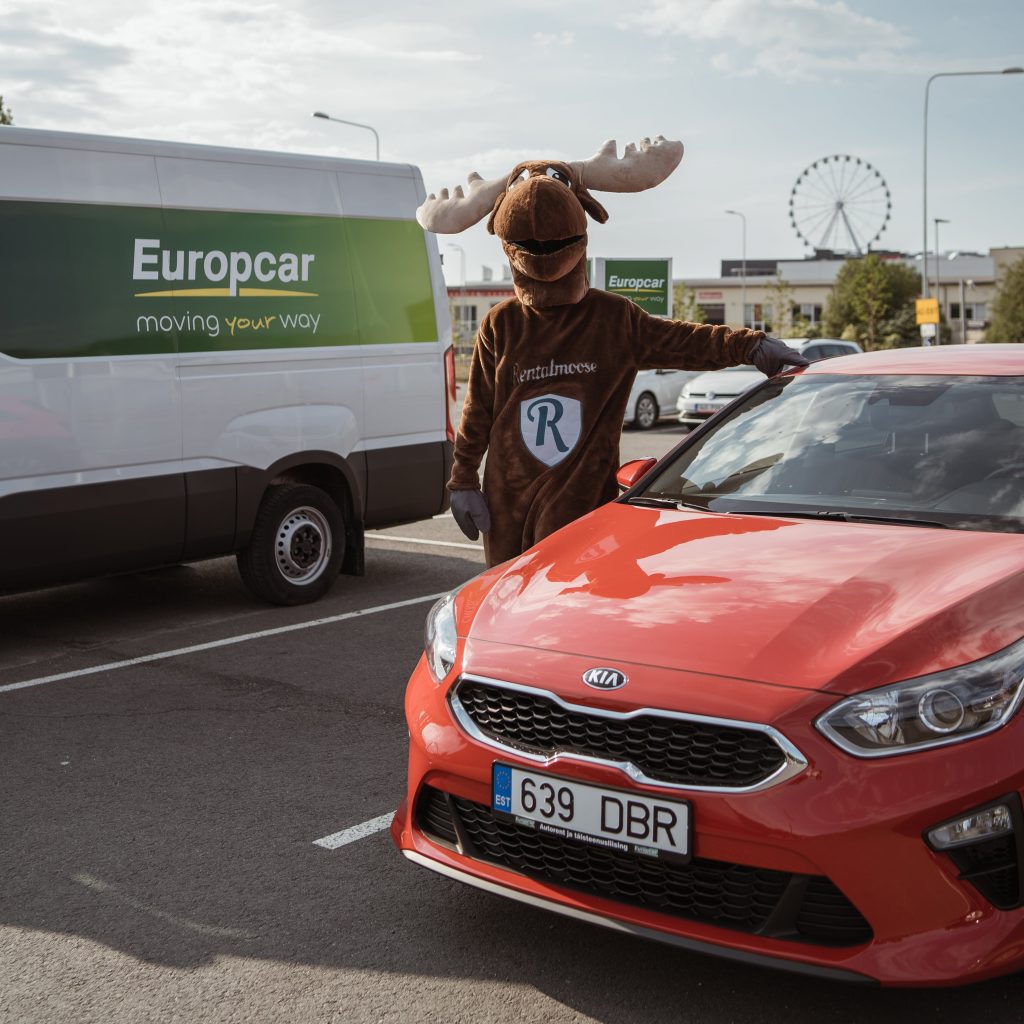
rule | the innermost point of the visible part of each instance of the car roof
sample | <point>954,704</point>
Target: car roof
<point>946,360</point>
<point>801,343</point>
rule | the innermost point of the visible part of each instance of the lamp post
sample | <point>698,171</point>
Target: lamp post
<point>938,294</point>
<point>355,124</point>
<point>743,278</point>
<point>963,310</point>
<point>462,255</point>
<point>924,180</point>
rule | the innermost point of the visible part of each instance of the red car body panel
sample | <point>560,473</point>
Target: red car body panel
<point>772,621</point>
<point>750,598</point>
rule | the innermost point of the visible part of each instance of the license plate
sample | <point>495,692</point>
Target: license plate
<point>706,407</point>
<point>617,819</point>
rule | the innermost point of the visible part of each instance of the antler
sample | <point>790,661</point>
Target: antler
<point>448,215</point>
<point>636,171</point>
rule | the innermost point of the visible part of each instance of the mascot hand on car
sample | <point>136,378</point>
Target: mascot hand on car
<point>552,368</point>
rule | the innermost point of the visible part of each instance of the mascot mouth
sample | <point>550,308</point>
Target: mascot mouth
<point>537,247</point>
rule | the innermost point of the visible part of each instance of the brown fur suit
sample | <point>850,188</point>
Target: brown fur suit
<point>553,367</point>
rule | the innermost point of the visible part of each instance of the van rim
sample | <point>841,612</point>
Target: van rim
<point>303,546</point>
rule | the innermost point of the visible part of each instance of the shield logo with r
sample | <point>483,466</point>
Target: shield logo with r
<point>550,426</point>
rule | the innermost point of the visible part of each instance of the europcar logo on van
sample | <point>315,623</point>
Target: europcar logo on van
<point>605,678</point>
<point>154,263</point>
<point>149,280</point>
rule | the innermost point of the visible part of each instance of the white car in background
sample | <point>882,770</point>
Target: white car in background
<point>654,395</point>
<point>708,392</point>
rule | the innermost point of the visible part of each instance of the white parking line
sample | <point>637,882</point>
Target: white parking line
<point>350,835</point>
<point>426,543</point>
<point>227,641</point>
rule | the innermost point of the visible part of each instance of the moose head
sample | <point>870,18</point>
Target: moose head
<point>539,211</point>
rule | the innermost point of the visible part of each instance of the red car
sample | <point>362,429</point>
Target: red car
<point>765,704</point>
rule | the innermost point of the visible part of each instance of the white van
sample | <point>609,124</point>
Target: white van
<point>206,351</point>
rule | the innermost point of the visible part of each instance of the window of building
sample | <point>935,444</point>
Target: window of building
<point>466,317</point>
<point>974,310</point>
<point>810,311</point>
<point>758,316</point>
<point>714,312</point>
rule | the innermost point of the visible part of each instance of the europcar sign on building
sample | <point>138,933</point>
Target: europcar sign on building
<point>648,283</point>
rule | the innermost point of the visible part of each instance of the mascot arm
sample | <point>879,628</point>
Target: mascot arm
<point>675,344</point>
<point>477,416</point>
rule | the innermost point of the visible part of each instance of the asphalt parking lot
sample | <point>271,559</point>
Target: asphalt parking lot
<point>165,780</point>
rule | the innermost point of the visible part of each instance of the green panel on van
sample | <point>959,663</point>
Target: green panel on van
<point>93,280</point>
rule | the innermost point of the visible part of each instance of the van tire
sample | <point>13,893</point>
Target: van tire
<point>646,413</point>
<point>296,546</point>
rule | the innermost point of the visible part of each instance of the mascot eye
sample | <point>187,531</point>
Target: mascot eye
<point>522,176</point>
<point>553,172</point>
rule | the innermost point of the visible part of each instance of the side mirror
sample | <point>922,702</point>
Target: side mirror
<point>630,473</point>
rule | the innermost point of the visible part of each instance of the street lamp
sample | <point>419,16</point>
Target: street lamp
<point>938,296</point>
<point>462,255</point>
<point>743,279</point>
<point>924,184</point>
<point>355,124</point>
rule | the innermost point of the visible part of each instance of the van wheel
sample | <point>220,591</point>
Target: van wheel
<point>646,413</point>
<point>296,547</point>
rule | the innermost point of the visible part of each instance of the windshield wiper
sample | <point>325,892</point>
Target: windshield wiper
<point>843,517</point>
<point>676,503</point>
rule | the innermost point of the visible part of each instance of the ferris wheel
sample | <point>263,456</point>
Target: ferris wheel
<point>840,203</point>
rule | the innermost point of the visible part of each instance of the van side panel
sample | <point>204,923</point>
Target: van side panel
<point>411,375</point>
<point>67,533</point>
<point>90,444</point>
<point>406,482</point>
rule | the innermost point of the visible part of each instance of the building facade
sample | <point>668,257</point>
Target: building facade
<point>965,284</point>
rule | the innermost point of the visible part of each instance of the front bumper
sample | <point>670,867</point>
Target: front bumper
<point>859,824</point>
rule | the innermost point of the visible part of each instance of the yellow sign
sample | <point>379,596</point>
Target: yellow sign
<point>927,311</point>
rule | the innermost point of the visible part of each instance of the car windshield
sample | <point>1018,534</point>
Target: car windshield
<point>923,450</point>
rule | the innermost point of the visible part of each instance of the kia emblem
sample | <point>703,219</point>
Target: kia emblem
<point>605,678</point>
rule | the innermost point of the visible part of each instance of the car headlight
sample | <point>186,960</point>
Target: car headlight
<point>440,636</point>
<point>931,711</point>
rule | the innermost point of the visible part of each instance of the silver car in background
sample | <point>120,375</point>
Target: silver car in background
<point>708,392</point>
<point>654,394</point>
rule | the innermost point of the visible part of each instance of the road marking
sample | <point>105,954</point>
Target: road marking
<point>356,832</point>
<point>213,644</point>
<point>427,543</point>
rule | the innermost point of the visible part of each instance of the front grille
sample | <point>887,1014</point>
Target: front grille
<point>735,896</point>
<point>673,750</point>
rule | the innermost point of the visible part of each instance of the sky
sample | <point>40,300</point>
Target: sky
<point>757,90</point>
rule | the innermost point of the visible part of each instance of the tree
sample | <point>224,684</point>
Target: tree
<point>786,319</point>
<point>5,113</point>
<point>1008,306</point>
<point>873,303</point>
<point>684,304</point>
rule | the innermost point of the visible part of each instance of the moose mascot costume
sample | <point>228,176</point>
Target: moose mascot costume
<point>553,367</point>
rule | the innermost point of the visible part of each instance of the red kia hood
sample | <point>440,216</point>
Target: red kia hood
<point>815,605</point>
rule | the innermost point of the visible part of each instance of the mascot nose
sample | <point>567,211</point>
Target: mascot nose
<point>542,208</point>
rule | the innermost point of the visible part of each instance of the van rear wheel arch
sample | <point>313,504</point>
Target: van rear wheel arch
<point>343,480</point>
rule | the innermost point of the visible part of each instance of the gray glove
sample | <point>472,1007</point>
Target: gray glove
<point>471,513</point>
<point>770,355</point>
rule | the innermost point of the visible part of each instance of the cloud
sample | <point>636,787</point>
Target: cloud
<point>794,39</point>
<point>549,39</point>
<point>54,57</point>
<point>241,73</point>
